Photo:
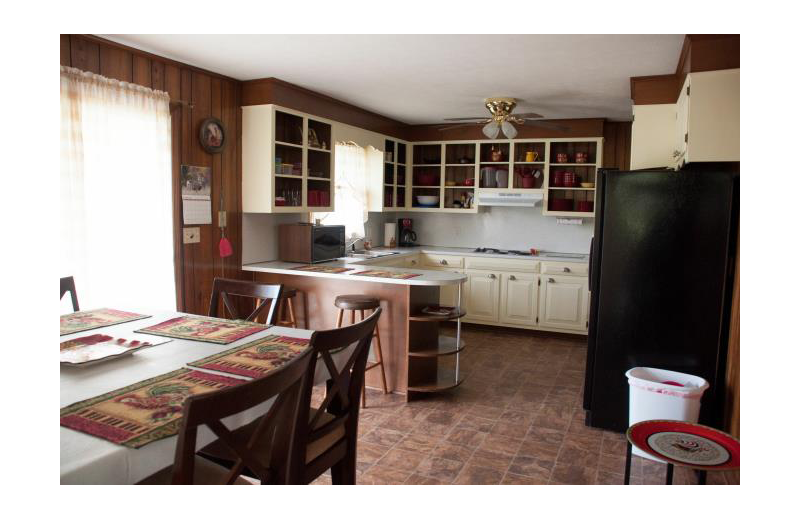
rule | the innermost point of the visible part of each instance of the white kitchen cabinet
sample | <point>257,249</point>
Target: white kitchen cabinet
<point>563,302</point>
<point>652,136</point>
<point>483,296</point>
<point>287,161</point>
<point>707,115</point>
<point>518,298</point>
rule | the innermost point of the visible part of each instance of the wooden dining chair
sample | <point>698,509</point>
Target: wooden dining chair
<point>266,450</point>
<point>68,286</point>
<point>263,293</point>
<point>326,436</point>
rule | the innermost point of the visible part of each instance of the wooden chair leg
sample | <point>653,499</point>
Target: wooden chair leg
<point>339,319</point>
<point>352,317</point>
<point>379,356</point>
<point>290,306</point>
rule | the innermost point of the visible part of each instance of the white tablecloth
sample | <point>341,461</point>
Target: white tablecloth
<point>86,459</point>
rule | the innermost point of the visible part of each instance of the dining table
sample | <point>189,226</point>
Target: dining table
<point>86,459</point>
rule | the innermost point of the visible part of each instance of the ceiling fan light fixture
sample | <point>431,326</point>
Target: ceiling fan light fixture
<point>491,130</point>
<point>509,130</point>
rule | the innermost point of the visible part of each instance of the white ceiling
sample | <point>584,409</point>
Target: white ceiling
<point>426,78</point>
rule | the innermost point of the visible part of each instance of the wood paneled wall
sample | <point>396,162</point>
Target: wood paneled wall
<point>205,94</point>
<point>617,144</point>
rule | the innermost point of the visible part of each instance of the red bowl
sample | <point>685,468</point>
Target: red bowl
<point>560,204</point>
<point>427,179</point>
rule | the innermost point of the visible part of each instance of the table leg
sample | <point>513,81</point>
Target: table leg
<point>628,464</point>
<point>670,469</point>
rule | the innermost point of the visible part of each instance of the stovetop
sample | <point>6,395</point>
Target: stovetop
<point>494,251</point>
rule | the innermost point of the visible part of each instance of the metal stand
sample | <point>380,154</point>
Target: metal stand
<point>701,475</point>
<point>670,469</point>
<point>628,454</point>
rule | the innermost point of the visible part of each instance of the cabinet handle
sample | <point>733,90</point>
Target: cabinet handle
<point>492,277</point>
<point>550,280</point>
<point>443,262</point>
<point>512,277</point>
<point>413,262</point>
<point>567,270</point>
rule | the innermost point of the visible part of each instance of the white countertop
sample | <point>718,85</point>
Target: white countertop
<point>427,276</point>
<point>470,251</point>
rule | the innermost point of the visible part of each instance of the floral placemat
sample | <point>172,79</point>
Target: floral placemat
<point>387,274</point>
<point>88,320</point>
<point>203,328</point>
<point>255,359</point>
<point>322,269</point>
<point>143,412</point>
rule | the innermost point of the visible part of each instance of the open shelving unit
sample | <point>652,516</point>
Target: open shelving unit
<point>581,158</point>
<point>394,175</point>
<point>433,359</point>
<point>287,161</point>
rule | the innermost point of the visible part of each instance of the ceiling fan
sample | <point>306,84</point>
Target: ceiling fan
<point>502,119</point>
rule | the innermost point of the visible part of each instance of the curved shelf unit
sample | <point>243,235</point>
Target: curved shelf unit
<point>447,347</point>
<point>456,314</point>
<point>445,380</point>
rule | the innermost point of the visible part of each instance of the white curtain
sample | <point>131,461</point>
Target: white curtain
<point>353,165</point>
<point>116,193</point>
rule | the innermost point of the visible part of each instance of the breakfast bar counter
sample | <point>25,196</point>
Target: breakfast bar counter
<point>416,358</point>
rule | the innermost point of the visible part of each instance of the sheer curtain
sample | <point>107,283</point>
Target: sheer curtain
<point>353,165</point>
<point>116,193</point>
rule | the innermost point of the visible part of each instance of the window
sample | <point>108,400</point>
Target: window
<point>353,166</point>
<point>116,193</point>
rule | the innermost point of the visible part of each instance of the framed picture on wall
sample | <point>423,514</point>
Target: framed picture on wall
<point>212,135</point>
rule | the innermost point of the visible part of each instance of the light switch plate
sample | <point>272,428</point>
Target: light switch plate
<point>191,235</point>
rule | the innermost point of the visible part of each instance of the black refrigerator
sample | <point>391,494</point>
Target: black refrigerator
<point>661,276</point>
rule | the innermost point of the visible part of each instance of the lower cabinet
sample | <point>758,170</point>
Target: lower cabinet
<point>564,302</point>
<point>483,296</point>
<point>518,302</point>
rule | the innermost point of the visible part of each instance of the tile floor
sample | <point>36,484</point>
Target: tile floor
<point>517,419</point>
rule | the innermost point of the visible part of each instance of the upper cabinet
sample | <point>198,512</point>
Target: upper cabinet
<point>447,176</point>
<point>653,136</point>
<point>387,192</point>
<point>702,126</point>
<point>707,118</point>
<point>287,161</point>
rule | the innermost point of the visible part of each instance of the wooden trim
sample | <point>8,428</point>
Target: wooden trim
<point>732,400</point>
<point>654,90</point>
<point>275,91</point>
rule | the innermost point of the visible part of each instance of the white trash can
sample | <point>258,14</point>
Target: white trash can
<point>663,394</point>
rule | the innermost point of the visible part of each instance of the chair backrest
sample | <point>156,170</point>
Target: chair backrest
<point>266,451</point>
<point>224,287</point>
<point>68,286</point>
<point>342,398</point>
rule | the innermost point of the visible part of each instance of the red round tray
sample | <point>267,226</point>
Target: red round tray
<point>686,444</point>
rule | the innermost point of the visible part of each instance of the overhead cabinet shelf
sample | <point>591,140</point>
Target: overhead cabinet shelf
<point>287,161</point>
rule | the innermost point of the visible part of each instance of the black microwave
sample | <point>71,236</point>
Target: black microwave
<point>310,244</point>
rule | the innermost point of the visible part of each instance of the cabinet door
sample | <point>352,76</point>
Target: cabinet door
<point>448,294</point>
<point>483,298</point>
<point>518,298</point>
<point>653,136</point>
<point>563,302</point>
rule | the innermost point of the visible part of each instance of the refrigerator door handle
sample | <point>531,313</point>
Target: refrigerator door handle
<point>591,257</point>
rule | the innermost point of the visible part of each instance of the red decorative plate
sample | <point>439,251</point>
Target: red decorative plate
<point>686,444</point>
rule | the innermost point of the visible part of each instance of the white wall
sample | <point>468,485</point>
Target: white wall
<point>501,227</point>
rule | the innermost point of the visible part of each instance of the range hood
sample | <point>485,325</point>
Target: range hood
<point>508,198</point>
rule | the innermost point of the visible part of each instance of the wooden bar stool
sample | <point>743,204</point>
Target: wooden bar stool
<point>285,305</point>
<point>361,303</point>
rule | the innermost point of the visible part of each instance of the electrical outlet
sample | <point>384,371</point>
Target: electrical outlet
<point>191,235</point>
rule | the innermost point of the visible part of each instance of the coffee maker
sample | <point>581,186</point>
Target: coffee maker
<point>405,230</point>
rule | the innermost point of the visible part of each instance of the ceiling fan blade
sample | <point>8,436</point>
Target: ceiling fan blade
<point>548,125</point>
<point>442,129</point>
<point>528,115</point>
<point>482,118</point>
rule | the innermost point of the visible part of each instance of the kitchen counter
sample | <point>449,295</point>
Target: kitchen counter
<point>469,251</point>
<point>426,276</point>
